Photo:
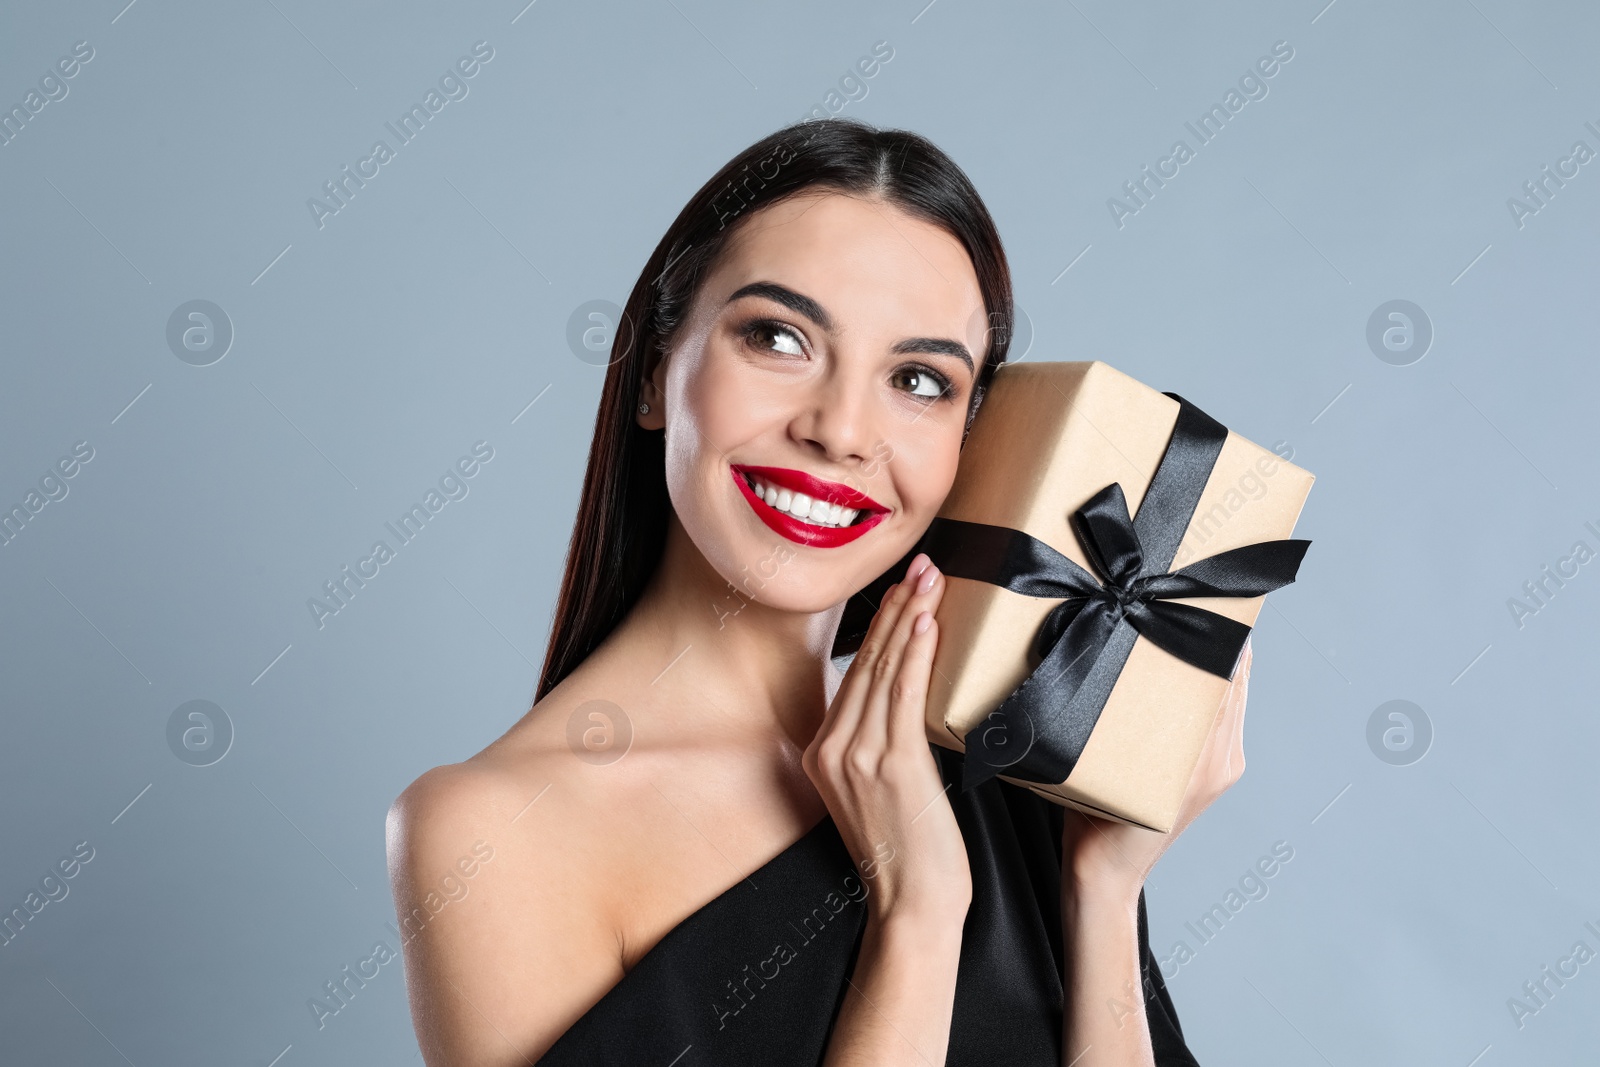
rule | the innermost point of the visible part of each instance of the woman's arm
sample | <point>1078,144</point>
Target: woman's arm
<point>501,963</point>
<point>1104,866</point>
<point>1104,1004</point>
<point>871,763</point>
<point>899,1002</point>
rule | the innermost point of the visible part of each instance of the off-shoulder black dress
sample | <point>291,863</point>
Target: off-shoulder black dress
<point>757,976</point>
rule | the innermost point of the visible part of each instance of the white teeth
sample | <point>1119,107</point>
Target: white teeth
<point>801,506</point>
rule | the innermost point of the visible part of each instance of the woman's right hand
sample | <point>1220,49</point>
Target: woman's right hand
<point>871,763</point>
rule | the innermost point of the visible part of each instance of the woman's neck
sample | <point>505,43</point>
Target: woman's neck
<point>701,643</point>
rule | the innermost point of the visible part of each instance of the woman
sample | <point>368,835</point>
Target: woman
<point>764,860</point>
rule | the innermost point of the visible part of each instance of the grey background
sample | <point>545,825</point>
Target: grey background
<point>428,314</point>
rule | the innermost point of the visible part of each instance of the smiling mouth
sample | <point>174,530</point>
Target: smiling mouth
<point>808,509</point>
<point>813,510</point>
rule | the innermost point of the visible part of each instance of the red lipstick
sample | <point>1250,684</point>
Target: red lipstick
<point>797,530</point>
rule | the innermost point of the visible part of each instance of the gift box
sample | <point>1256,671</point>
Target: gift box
<point>1107,548</point>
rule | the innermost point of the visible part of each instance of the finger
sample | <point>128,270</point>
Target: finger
<point>906,711</point>
<point>883,620</point>
<point>845,711</point>
<point>1235,736</point>
<point>1241,681</point>
<point>1206,781</point>
<point>865,652</point>
<point>1222,745</point>
<point>1211,759</point>
<point>1210,775</point>
<point>1238,688</point>
<point>908,699</point>
<point>873,729</point>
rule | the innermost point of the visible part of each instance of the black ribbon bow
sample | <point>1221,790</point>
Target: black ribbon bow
<point>1038,732</point>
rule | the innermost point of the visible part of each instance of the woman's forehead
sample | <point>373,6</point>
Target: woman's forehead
<point>853,256</point>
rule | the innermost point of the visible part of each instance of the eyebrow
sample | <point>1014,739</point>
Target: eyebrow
<point>801,304</point>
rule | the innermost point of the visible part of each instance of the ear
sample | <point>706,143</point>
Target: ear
<point>653,391</point>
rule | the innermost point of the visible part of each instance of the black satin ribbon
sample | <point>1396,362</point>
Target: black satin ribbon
<point>1038,732</point>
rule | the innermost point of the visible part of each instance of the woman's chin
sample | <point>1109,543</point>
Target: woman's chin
<point>791,591</point>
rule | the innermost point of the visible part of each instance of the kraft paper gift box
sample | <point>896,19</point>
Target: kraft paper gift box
<point>1081,654</point>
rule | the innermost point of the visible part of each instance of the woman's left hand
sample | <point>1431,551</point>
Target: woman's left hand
<point>1105,856</point>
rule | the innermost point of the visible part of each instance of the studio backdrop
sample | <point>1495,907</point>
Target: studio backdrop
<point>282,282</point>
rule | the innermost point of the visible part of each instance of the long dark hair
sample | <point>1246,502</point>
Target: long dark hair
<point>620,531</point>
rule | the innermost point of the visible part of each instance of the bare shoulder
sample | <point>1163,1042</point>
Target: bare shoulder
<point>507,935</point>
<point>581,860</point>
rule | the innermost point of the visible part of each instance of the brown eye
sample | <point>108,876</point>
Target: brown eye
<point>758,333</point>
<point>923,382</point>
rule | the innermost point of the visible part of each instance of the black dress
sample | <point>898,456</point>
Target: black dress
<point>757,975</point>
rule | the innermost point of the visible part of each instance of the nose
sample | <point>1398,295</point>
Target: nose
<point>835,416</point>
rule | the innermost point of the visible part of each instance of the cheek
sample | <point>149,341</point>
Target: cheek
<point>923,471</point>
<point>715,415</point>
<point>724,405</point>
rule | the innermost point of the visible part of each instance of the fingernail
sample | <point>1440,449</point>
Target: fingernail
<point>929,573</point>
<point>918,562</point>
<point>924,620</point>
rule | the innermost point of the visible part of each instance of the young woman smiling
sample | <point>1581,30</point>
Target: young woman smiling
<point>778,867</point>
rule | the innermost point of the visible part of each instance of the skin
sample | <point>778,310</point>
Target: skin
<point>743,733</point>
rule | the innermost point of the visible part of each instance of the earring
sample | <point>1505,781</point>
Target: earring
<point>644,409</point>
